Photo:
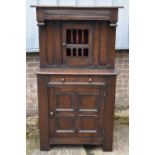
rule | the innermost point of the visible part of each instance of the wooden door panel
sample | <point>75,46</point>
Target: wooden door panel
<point>88,102</point>
<point>64,102</point>
<point>88,122</point>
<point>88,126</point>
<point>77,44</point>
<point>64,125</point>
<point>75,111</point>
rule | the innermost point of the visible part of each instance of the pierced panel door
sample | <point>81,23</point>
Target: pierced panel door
<point>76,112</point>
<point>77,44</point>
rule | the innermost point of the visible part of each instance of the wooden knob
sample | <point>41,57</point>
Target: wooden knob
<point>62,79</point>
<point>90,80</point>
<point>64,44</point>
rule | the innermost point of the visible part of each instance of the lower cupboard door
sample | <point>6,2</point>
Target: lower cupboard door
<point>76,112</point>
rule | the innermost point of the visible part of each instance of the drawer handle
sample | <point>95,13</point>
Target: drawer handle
<point>90,80</point>
<point>62,80</point>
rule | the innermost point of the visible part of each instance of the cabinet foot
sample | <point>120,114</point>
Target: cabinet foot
<point>45,147</point>
<point>107,148</point>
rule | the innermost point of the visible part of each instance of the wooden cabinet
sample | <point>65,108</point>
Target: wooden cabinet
<point>76,80</point>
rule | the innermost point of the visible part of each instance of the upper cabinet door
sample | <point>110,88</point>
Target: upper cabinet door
<point>77,43</point>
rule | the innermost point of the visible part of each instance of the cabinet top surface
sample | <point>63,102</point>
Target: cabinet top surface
<point>65,71</point>
<point>76,7</point>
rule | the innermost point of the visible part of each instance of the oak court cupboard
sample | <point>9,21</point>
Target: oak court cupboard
<point>76,80</point>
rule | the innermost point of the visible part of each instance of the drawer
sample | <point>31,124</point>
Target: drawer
<point>70,78</point>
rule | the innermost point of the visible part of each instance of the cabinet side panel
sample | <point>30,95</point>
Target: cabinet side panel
<point>42,44</point>
<point>58,43</point>
<point>43,112</point>
<point>54,44</point>
<point>109,113</point>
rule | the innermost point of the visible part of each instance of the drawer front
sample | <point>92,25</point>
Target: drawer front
<point>70,78</point>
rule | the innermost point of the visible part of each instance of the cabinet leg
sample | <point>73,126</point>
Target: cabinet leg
<point>108,144</point>
<point>45,147</point>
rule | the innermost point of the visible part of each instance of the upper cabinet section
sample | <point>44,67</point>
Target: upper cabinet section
<point>77,36</point>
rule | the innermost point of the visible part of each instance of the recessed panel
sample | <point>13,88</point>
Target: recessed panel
<point>88,123</point>
<point>63,101</point>
<point>64,124</point>
<point>88,102</point>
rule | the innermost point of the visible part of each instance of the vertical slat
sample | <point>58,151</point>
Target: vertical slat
<point>42,43</point>
<point>96,44</point>
<point>71,36</point>
<point>50,43</point>
<point>104,38</point>
<point>82,36</point>
<point>58,45</point>
<point>71,51</point>
<point>111,46</point>
<point>77,36</point>
<point>82,51</point>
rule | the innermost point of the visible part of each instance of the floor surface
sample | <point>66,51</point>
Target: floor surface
<point>120,145</point>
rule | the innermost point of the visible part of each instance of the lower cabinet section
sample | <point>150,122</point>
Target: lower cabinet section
<point>76,112</point>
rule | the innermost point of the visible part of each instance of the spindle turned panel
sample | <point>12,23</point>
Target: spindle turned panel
<point>76,80</point>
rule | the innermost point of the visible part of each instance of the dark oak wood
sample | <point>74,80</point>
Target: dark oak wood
<point>76,79</point>
<point>100,22</point>
<point>77,71</point>
<point>43,112</point>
